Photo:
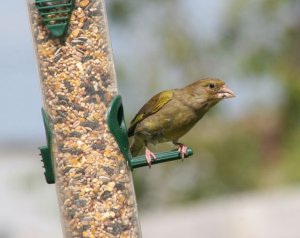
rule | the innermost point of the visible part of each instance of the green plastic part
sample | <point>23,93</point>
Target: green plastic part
<point>117,126</point>
<point>140,161</point>
<point>58,30</point>
<point>56,15</point>
<point>46,151</point>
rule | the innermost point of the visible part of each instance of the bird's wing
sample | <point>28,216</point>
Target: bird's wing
<point>152,106</point>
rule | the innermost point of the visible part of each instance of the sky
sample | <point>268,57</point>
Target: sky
<point>20,98</point>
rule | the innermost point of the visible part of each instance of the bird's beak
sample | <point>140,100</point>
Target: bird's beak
<point>225,92</point>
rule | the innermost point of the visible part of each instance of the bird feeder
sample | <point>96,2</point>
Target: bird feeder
<point>87,154</point>
<point>94,184</point>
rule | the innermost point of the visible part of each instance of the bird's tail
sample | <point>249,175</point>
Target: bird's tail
<point>135,146</point>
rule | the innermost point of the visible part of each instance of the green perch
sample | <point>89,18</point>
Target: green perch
<point>140,161</point>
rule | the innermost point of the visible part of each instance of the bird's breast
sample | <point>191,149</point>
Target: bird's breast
<point>169,124</point>
<point>181,123</point>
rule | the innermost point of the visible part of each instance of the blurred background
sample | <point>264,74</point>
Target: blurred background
<point>243,179</point>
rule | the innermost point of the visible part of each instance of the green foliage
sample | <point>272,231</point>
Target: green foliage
<point>259,62</point>
<point>120,11</point>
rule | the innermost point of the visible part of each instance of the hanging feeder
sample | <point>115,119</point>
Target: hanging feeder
<point>87,154</point>
<point>95,191</point>
<point>55,15</point>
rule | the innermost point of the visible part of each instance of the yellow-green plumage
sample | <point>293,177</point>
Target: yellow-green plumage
<point>152,106</point>
<point>170,114</point>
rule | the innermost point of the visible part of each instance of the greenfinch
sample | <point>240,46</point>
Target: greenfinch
<point>170,114</point>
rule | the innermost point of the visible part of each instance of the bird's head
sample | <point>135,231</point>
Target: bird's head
<point>211,89</point>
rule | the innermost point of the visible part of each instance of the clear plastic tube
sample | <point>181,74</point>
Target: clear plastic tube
<point>94,185</point>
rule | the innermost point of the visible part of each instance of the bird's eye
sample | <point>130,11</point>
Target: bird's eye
<point>211,85</point>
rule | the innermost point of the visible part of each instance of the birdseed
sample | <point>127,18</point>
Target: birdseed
<point>94,186</point>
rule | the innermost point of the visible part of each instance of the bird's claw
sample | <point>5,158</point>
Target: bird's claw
<point>183,151</point>
<point>149,155</point>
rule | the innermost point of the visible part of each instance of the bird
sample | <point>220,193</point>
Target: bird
<point>170,114</point>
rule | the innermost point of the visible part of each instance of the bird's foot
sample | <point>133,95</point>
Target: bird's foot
<point>182,150</point>
<point>149,155</point>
